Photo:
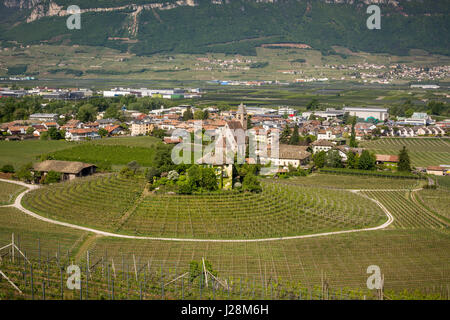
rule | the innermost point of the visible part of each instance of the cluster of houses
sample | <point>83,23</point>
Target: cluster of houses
<point>74,130</point>
<point>326,129</point>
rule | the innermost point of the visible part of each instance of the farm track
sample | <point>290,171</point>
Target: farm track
<point>18,204</point>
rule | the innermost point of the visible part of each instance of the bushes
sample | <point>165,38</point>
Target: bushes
<point>52,177</point>
<point>7,168</point>
<point>251,183</point>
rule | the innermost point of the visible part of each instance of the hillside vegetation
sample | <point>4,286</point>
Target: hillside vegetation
<point>240,26</point>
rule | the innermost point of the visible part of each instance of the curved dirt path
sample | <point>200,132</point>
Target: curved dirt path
<point>18,204</point>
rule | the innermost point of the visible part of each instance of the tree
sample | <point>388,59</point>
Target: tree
<point>409,112</point>
<point>295,138</point>
<point>249,122</point>
<point>284,137</point>
<point>404,163</point>
<point>87,113</point>
<point>209,179</point>
<point>198,115</point>
<point>346,118</point>
<point>202,178</point>
<point>251,183</point>
<point>436,107</point>
<point>133,166</point>
<point>7,168</point>
<point>188,115</point>
<point>367,161</point>
<point>44,135</point>
<point>24,173</point>
<point>103,132</point>
<point>313,104</point>
<point>352,160</point>
<point>163,157</point>
<point>151,173</point>
<point>353,143</point>
<point>333,159</point>
<point>54,134</point>
<point>111,112</point>
<point>319,159</point>
<point>30,130</point>
<point>52,177</point>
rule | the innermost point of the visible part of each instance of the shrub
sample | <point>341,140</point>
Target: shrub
<point>7,168</point>
<point>52,177</point>
<point>251,183</point>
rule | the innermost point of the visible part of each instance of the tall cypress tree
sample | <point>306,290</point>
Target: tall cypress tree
<point>284,137</point>
<point>295,138</point>
<point>404,164</point>
<point>353,143</point>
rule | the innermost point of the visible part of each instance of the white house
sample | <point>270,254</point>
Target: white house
<point>82,134</point>
<point>321,145</point>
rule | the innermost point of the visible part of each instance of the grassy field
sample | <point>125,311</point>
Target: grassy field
<point>8,192</point>
<point>115,204</point>
<point>19,153</point>
<point>423,152</point>
<point>118,151</point>
<point>106,154</point>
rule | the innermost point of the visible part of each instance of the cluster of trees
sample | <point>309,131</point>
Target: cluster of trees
<point>433,107</point>
<point>292,137</point>
<point>367,160</point>
<point>333,159</point>
<point>85,110</point>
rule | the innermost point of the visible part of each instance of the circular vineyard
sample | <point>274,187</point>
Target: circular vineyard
<point>116,204</point>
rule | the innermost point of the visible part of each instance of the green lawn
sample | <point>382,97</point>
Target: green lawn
<point>19,153</point>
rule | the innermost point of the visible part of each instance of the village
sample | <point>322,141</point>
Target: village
<point>300,135</point>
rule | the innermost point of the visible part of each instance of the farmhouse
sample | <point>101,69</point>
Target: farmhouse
<point>436,170</point>
<point>321,145</point>
<point>387,160</point>
<point>82,134</point>
<point>69,169</point>
<point>288,155</point>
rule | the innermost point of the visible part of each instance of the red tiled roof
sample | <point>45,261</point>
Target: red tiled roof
<point>435,168</point>
<point>83,130</point>
<point>386,158</point>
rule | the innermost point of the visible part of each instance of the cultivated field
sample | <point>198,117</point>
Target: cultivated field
<point>413,253</point>
<point>437,201</point>
<point>8,192</point>
<point>93,201</point>
<point>423,152</point>
<point>118,204</point>
<point>19,153</point>
<point>352,182</point>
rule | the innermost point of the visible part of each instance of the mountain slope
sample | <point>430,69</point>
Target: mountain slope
<point>234,26</point>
